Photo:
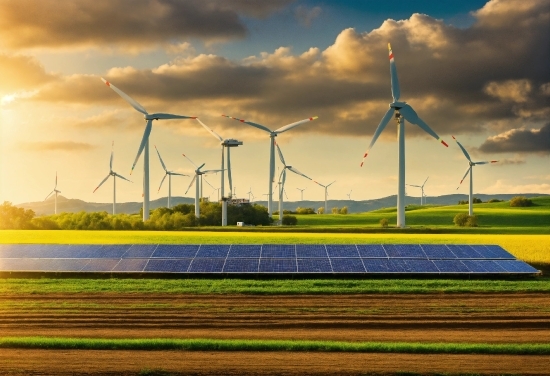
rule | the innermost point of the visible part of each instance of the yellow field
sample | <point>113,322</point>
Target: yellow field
<point>530,248</point>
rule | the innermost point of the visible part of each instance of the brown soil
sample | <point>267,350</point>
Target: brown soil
<point>492,318</point>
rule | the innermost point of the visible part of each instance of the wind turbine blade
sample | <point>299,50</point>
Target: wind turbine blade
<point>124,96</point>
<point>292,125</point>
<point>331,183</point>
<point>395,92</point>
<point>411,116</point>
<point>162,181</point>
<point>122,177</point>
<point>211,171</point>
<point>55,181</point>
<point>162,116</point>
<point>417,186</point>
<point>100,184</point>
<point>111,160</point>
<point>425,182</point>
<point>176,173</point>
<point>161,161</point>
<point>49,195</point>
<point>280,155</point>
<point>144,140</point>
<point>283,180</point>
<point>210,130</point>
<point>464,177</point>
<point>316,182</point>
<point>463,150</point>
<point>284,190</point>
<point>189,159</point>
<point>298,172</point>
<point>206,181</point>
<point>190,184</point>
<point>259,126</point>
<point>229,171</point>
<point>484,162</point>
<point>385,120</point>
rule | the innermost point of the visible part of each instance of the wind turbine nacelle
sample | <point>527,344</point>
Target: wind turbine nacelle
<point>232,143</point>
<point>398,105</point>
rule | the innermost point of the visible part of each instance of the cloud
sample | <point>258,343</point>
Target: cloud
<point>306,15</point>
<point>503,186</point>
<point>57,146</point>
<point>511,90</point>
<point>510,161</point>
<point>519,140</point>
<point>21,73</point>
<point>127,24</point>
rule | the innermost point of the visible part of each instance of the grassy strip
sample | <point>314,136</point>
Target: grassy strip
<point>271,345</point>
<point>17,287</point>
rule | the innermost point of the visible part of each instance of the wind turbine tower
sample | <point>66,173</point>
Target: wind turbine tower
<point>169,174</point>
<point>422,200</point>
<point>198,186</point>
<point>302,193</point>
<point>56,192</point>
<point>326,193</point>
<point>401,111</point>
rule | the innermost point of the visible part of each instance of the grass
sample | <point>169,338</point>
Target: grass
<point>18,287</point>
<point>271,345</point>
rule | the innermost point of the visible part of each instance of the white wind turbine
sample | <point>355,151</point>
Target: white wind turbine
<point>402,112</point>
<point>197,179</point>
<point>144,146</point>
<point>422,200</point>
<point>169,174</point>
<point>56,192</point>
<point>349,194</point>
<point>302,193</point>
<point>226,144</point>
<point>272,135</point>
<point>114,175</point>
<point>471,172</point>
<point>282,179</point>
<point>326,193</point>
<point>249,193</point>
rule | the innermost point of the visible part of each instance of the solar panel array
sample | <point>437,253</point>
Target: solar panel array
<point>266,258</point>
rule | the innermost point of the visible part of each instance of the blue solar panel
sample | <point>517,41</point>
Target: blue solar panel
<point>168,266</point>
<point>342,250</point>
<point>175,251</point>
<point>130,265</point>
<point>498,252</point>
<point>278,251</point>
<point>474,266</point>
<point>437,251</point>
<point>314,265</point>
<point>25,251</point>
<point>310,250</point>
<point>241,265</point>
<point>140,251</point>
<point>421,266</point>
<point>371,251</point>
<point>100,265</point>
<point>377,265</point>
<point>514,266</point>
<point>206,265</point>
<point>210,250</point>
<point>398,265</point>
<point>65,265</point>
<point>245,250</point>
<point>114,250</point>
<point>491,266</point>
<point>277,265</point>
<point>451,266</point>
<point>347,265</point>
<point>87,251</point>
<point>464,251</point>
<point>404,250</point>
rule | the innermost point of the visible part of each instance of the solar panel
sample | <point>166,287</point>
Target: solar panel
<point>310,250</point>
<point>514,266</point>
<point>213,251</point>
<point>206,265</point>
<point>241,265</point>
<point>342,250</point>
<point>140,251</point>
<point>87,251</point>
<point>347,265</point>
<point>498,252</point>
<point>114,250</point>
<point>398,265</point>
<point>421,266</point>
<point>371,251</point>
<point>404,250</point>
<point>130,265</point>
<point>491,266</point>
<point>464,251</point>
<point>175,251</point>
<point>245,250</point>
<point>278,251</point>
<point>168,265</point>
<point>314,265</point>
<point>437,251</point>
<point>377,265</point>
<point>278,265</point>
<point>100,265</point>
<point>451,266</point>
<point>474,266</point>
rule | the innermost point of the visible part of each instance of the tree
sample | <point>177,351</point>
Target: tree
<point>321,210</point>
<point>463,219</point>
<point>520,201</point>
<point>14,218</point>
<point>344,210</point>
<point>290,220</point>
<point>335,210</point>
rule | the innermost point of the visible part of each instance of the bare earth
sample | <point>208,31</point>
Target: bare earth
<point>490,318</point>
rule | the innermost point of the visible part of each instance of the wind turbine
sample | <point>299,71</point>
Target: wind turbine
<point>249,193</point>
<point>144,146</point>
<point>226,144</point>
<point>302,193</point>
<point>198,185</point>
<point>282,178</point>
<point>272,135</point>
<point>169,174</point>
<point>326,193</point>
<point>471,172</point>
<point>422,201</point>
<point>349,194</point>
<point>56,192</point>
<point>114,175</point>
<point>402,112</point>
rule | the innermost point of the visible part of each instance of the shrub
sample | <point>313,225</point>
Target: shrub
<point>344,210</point>
<point>471,221</point>
<point>460,219</point>
<point>384,222</point>
<point>45,223</point>
<point>300,210</point>
<point>494,200</point>
<point>321,210</point>
<point>290,220</point>
<point>477,200</point>
<point>335,210</point>
<point>520,201</point>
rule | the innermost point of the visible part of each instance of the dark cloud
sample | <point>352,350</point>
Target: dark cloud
<point>21,73</point>
<point>520,141</point>
<point>126,23</point>
<point>57,146</point>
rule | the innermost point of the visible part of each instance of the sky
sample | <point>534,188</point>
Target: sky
<point>476,70</point>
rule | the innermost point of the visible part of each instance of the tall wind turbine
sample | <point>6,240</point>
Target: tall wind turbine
<point>249,193</point>
<point>422,201</point>
<point>326,193</point>
<point>272,135</point>
<point>471,172</point>
<point>114,175</point>
<point>402,112</point>
<point>282,179</point>
<point>226,144</point>
<point>169,174</point>
<point>144,146</point>
<point>198,185</point>
<point>302,193</point>
<point>56,192</point>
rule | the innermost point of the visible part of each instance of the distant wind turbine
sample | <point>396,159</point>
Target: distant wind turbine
<point>144,146</point>
<point>402,112</point>
<point>326,193</point>
<point>114,175</point>
<point>169,174</point>
<point>302,193</point>
<point>422,201</point>
<point>56,192</point>
<point>471,172</point>
<point>349,194</point>
<point>249,193</point>
<point>198,185</point>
